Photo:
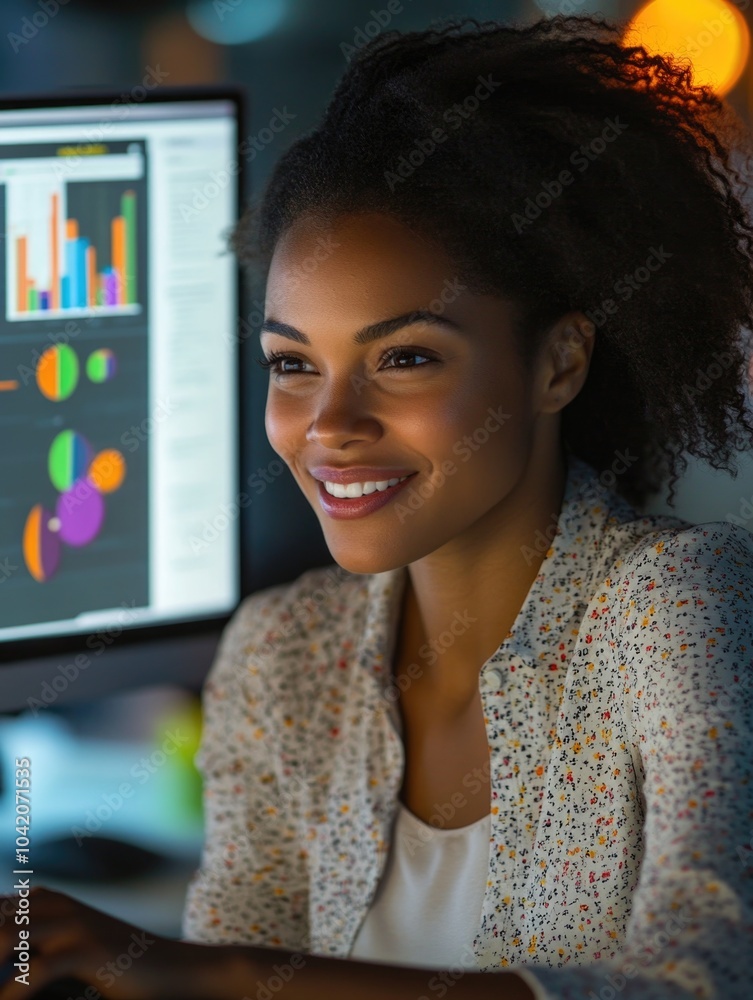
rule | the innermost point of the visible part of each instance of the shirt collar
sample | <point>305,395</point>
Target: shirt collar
<point>553,608</point>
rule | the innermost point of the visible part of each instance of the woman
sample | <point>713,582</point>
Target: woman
<point>503,745</point>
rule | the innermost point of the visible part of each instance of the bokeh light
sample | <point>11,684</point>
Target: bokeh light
<point>234,22</point>
<point>710,34</point>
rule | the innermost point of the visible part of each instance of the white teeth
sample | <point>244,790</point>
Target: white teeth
<point>359,489</point>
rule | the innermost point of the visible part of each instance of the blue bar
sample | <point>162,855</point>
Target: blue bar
<point>71,267</point>
<point>80,295</point>
<point>65,291</point>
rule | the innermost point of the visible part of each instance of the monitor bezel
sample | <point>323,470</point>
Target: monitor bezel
<point>35,648</point>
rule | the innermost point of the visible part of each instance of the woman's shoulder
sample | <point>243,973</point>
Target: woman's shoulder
<point>674,551</point>
<point>275,620</point>
<point>270,652</point>
<point>685,578</point>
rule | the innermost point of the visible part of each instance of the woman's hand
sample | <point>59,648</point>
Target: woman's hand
<point>64,938</point>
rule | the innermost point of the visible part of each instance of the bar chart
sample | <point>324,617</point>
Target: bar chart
<point>82,284</point>
<point>75,238</point>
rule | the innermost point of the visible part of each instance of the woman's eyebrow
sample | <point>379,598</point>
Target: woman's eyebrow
<point>374,331</point>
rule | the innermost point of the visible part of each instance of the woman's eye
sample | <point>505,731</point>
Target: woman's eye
<point>406,352</point>
<point>273,363</point>
<point>275,360</point>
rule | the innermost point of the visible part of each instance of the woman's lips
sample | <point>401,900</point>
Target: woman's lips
<point>346,508</point>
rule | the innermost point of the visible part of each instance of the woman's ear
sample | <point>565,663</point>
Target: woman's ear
<point>564,360</point>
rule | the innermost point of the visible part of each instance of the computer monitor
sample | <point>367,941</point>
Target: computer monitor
<point>119,368</point>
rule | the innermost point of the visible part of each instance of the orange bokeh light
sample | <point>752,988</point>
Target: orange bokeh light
<point>710,34</point>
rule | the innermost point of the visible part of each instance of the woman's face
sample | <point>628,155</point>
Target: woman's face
<point>458,411</point>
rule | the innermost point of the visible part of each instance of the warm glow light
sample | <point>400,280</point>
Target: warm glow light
<point>711,34</point>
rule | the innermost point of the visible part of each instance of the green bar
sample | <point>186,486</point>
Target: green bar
<point>128,211</point>
<point>99,297</point>
<point>32,299</point>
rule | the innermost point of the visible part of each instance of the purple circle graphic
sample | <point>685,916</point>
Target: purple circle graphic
<point>81,511</point>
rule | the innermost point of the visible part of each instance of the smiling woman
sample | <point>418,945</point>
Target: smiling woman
<point>369,402</point>
<point>503,746</point>
<point>509,281</point>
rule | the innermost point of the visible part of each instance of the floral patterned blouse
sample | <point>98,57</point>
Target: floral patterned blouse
<point>618,711</point>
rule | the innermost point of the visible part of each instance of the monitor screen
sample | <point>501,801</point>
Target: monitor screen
<point>118,363</point>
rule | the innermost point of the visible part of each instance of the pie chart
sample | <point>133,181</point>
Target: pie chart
<point>82,479</point>
<point>41,545</point>
<point>80,512</point>
<point>101,365</point>
<point>57,372</point>
<point>68,459</point>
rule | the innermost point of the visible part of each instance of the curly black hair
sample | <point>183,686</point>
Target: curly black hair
<point>562,169</point>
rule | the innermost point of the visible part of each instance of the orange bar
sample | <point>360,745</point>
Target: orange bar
<point>7,384</point>
<point>54,270</point>
<point>21,276</point>
<point>71,229</point>
<point>91,276</point>
<point>118,255</point>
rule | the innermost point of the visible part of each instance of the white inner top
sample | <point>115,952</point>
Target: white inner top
<point>427,907</point>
